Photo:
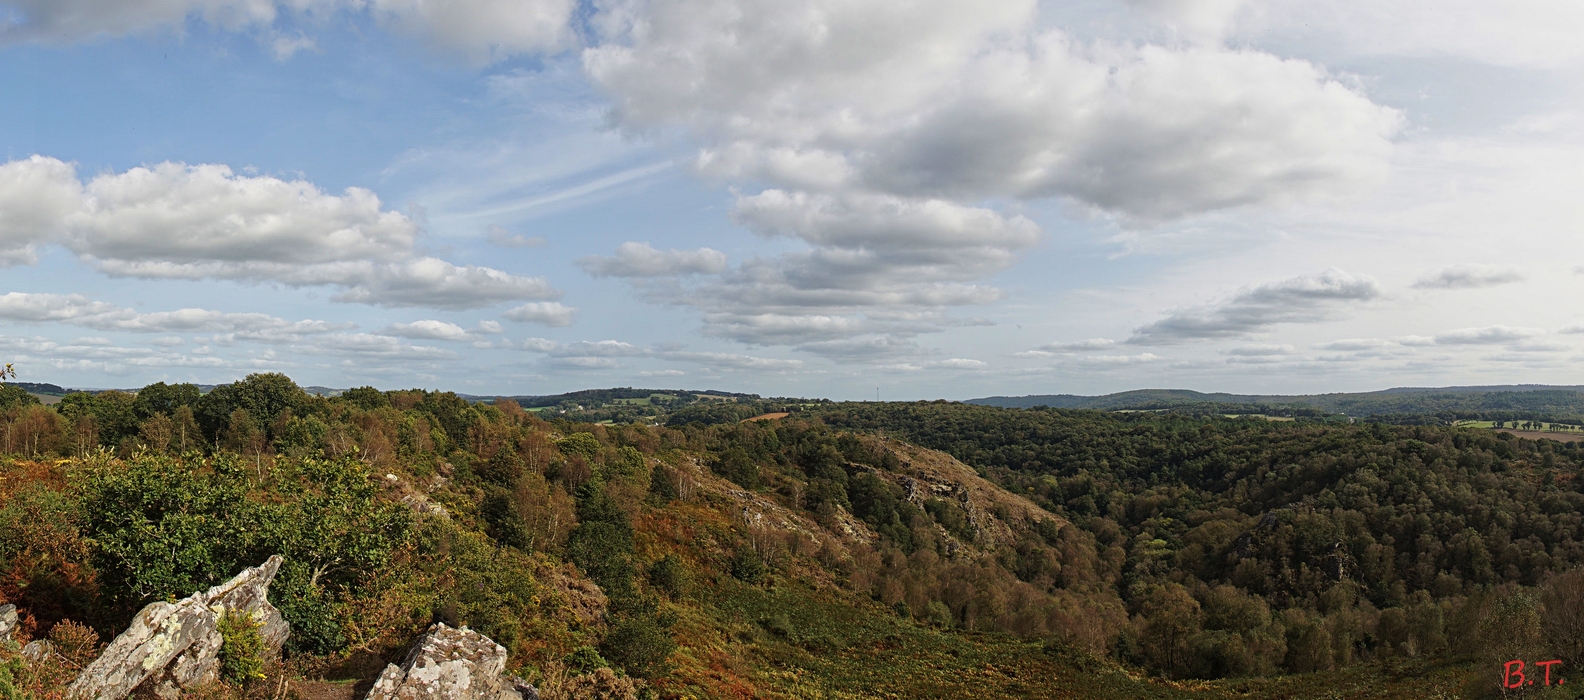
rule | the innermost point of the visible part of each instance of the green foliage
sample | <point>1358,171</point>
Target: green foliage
<point>262,396</point>
<point>161,398</point>
<point>640,645</point>
<point>602,544</point>
<point>671,576</point>
<point>585,659</point>
<point>163,528</point>
<point>581,444</point>
<point>735,464</point>
<point>301,437</point>
<point>366,397</point>
<point>241,647</point>
<point>880,504</point>
<point>112,413</point>
<point>12,396</point>
<point>747,566</point>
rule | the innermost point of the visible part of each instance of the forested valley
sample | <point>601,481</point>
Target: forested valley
<point>826,550</point>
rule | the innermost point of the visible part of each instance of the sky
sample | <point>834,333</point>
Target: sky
<point>825,198</point>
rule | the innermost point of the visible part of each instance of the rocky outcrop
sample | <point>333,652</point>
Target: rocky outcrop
<point>8,622</point>
<point>450,663</point>
<point>174,646</point>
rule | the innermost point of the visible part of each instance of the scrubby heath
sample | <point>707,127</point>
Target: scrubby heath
<point>832,552</point>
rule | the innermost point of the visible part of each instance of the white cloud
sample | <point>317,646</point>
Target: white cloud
<point>893,140</point>
<point>642,260</point>
<point>36,196</point>
<point>485,30</point>
<point>1489,335</point>
<point>1073,346</point>
<point>957,363</point>
<point>722,360</point>
<point>429,329</point>
<point>1356,344</point>
<point>1520,33</point>
<point>371,347</point>
<point>546,313</point>
<point>1261,350</point>
<point>1303,299</point>
<point>967,100</point>
<point>78,310</point>
<point>1470,277</point>
<point>176,221</point>
<point>1117,360</point>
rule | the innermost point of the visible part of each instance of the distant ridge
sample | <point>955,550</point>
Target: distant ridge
<point>1505,397</point>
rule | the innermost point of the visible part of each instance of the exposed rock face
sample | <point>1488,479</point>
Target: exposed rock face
<point>8,621</point>
<point>448,663</point>
<point>174,646</point>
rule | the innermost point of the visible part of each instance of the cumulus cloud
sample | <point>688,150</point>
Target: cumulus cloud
<point>942,101</point>
<point>177,221</point>
<point>892,139</point>
<point>36,196</point>
<point>1470,277</point>
<point>545,313</point>
<point>876,264</point>
<point>642,260</point>
<point>1302,299</point>
<point>429,329</point>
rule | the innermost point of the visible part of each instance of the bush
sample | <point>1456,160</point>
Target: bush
<point>241,647</point>
<point>585,658</point>
<point>640,645</point>
<point>671,576</point>
<point>746,566</point>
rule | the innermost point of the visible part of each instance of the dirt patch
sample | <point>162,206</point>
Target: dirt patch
<point>766,416</point>
<point>1542,435</point>
<point>329,690</point>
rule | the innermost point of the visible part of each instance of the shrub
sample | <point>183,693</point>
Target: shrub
<point>640,645</point>
<point>746,566</point>
<point>585,659</point>
<point>671,576</point>
<point>241,647</point>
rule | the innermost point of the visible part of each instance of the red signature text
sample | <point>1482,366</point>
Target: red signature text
<point>1513,675</point>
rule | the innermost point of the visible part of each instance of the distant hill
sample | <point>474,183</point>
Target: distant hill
<point>39,388</point>
<point>1487,401</point>
<point>601,397</point>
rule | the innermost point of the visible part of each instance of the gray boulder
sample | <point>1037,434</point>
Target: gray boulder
<point>37,651</point>
<point>8,622</point>
<point>449,663</point>
<point>174,646</point>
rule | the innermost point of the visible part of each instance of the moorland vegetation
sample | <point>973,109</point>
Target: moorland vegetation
<point>838,551</point>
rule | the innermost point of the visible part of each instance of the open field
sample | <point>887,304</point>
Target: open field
<point>1559,436</point>
<point>766,416</point>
